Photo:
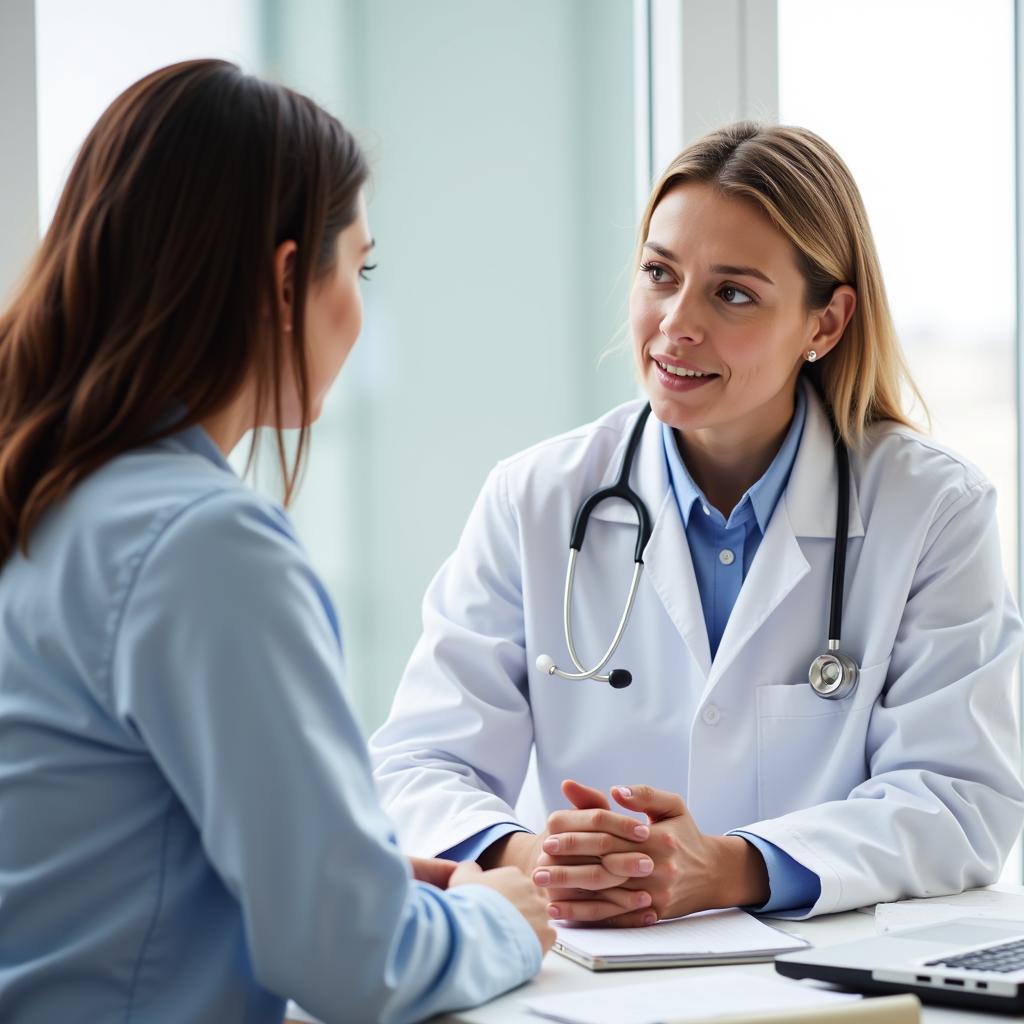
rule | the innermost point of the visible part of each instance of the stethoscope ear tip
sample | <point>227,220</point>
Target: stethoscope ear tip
<point>546,664</point>
<point>619,678</point>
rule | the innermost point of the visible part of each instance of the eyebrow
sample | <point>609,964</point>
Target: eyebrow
<point>718,268</point>
<point>369,245</point>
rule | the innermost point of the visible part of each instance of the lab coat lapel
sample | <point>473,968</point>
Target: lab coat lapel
<point>806,508</point>
<point>667,563</point>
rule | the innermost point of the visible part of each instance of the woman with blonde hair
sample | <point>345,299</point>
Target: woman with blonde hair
<point>810,704</point>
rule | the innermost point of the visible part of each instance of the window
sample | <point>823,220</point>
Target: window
<point>918,99</point>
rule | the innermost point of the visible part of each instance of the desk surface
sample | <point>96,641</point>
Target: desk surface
<point>560,975</point>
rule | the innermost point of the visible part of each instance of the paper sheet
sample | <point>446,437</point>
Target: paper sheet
<point>685,999</point>
<point>713,933</point>
<point>995,902</point>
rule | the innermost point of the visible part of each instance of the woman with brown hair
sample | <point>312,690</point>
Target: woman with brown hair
<point>774,759</point>
<point>188,827</point>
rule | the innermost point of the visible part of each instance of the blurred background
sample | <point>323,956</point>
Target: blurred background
<point>513,145</point>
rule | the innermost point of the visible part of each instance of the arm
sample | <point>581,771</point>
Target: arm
<point>485,845</point>
<point>791,886</point>
<point>227,664</point>
<point>944,801</point>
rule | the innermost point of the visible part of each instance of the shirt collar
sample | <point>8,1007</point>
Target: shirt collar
<point>761,497</point>
<point>196,440</point>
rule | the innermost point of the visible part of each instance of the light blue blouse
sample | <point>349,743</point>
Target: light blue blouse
<point>188,826</point>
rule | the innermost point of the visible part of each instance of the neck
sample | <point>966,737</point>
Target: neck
<point>229,425</point>
<point>725,462</point>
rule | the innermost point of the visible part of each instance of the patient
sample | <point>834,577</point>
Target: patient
<point>188,826</point>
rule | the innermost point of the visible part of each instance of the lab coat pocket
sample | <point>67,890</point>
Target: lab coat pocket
<point>811,750</point>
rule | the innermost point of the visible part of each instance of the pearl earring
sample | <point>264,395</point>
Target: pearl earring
<point>811,356</point>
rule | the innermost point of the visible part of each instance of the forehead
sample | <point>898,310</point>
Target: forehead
<point>354,238</point>
<point>699,221</point>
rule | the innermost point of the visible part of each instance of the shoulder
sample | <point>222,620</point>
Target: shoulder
<point>920,475</point>
<point>217,559</point>
<point>167,494</point>
<point>167,512</point>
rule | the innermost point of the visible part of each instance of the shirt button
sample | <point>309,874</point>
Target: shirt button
<point>726,557</point>
<point>711,715</point>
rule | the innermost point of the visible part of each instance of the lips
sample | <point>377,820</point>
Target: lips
<point>677,368</point>
<point>672,375</point>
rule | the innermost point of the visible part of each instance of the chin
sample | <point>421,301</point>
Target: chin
<point>676,415</point>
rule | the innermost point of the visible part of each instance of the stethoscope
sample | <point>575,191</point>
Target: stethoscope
<point>832,675</point>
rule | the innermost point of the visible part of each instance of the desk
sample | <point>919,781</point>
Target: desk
<point>561,975</point>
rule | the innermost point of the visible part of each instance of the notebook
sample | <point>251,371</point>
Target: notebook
<point>711,937</point>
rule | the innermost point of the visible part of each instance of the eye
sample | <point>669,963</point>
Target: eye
<point>734,296</point>
<point>655,272</point>
<point>364,272</point>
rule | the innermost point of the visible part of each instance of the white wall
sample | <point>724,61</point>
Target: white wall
<point>18,167</point>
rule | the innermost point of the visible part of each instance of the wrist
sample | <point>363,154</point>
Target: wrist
<point>743,875</point>
<point>517,849</point>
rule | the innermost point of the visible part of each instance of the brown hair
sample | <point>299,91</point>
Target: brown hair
<point>145,308</point>
<point>802,185</point>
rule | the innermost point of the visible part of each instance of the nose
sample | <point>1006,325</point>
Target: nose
<point>681,322</point>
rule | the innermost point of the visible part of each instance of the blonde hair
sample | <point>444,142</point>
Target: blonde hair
<point>802,185</point>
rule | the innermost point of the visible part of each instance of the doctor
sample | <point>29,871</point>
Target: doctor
<point>759,318</point>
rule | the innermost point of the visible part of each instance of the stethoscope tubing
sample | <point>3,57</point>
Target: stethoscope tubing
<point>582,673</point>
<point>835,618</point>
<point>831,675</point>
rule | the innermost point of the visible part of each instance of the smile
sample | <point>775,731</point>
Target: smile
<point>679,371</point>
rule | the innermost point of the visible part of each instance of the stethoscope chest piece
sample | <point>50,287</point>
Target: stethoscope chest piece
<point>833,675</point>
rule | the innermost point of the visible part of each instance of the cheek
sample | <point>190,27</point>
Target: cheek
<point>760,351</point>
<point>345,317</point>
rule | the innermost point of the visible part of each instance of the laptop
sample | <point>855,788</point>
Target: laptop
<point>969,962</point>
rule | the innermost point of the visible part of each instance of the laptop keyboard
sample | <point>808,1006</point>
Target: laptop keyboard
<point>1002,959</point>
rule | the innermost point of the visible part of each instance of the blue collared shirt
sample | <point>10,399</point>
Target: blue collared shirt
<point>722,551</point>
<point>188,825</point>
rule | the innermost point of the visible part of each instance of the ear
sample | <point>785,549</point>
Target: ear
<point>829,324</point>
<point>284,290</point>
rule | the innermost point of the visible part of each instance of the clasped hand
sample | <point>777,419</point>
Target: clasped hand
<point>602,866</point>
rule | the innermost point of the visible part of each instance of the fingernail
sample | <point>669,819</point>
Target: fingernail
<point>550,845</point>
<point>641,831</point>
<point>625,791</point>
<point>643,899</point>
<point>542,877</point>
<point>554,911</point>
<point>645,865</point>
<point>650,918</point>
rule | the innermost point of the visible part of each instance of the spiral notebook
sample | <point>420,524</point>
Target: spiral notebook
<point>711,937</point>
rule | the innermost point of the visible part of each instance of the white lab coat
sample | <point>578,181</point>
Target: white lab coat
<point>909,787</point>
